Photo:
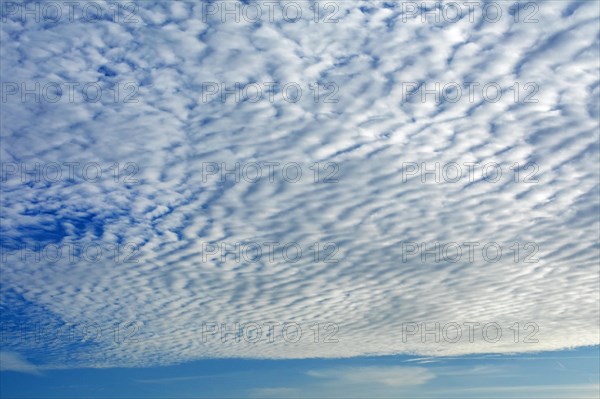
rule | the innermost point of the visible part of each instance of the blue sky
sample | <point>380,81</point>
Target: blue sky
<point>253,199</point>
<point>563,374</point>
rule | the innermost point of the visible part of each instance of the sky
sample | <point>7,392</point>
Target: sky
<point>300,199</point>
<point>564,374</point>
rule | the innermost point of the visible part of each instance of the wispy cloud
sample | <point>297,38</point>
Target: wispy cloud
<point>395,376</point>
<point>11,361</point>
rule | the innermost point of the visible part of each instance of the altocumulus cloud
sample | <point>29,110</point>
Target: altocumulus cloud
<point>371,137</point>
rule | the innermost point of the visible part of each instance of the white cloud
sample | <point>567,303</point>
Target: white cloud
<point>11,361</point>
<point>395,376</point>
<point>370,133</point>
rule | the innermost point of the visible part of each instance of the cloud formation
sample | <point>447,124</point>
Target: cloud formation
<point>10,361</point>
<point>397,376</point>
<point>372,194</point>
